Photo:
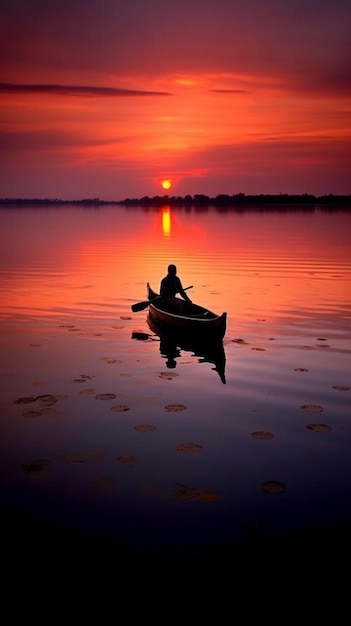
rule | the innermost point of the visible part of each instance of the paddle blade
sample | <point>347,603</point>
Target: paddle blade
<point>140,336</point>
<point>140,306</point>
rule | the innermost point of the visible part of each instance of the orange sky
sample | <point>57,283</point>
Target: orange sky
<point>107,99</point>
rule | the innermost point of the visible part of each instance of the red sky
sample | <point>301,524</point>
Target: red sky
<point>106,98</point>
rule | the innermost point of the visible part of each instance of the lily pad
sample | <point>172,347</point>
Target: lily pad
<point>260,434</point>
<point>273,487</point>
<point>105,396</point>
<point>82,378</point>
<point>189,448</point>
<point>126,459</point>
<point>312,408</point>
<point>47,399</point>
<point>173,408</point>
<point>26,400</point>
<point>190,493</point>
<point>319,428</point>
<point>106,483</point>
<point>36,466</point>
<point>119,408</point>
<point>168,375</point>
<point>110,359</point>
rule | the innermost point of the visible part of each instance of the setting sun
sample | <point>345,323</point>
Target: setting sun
<point>166,184</point>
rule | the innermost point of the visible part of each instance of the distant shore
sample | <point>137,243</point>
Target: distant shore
<point>221,201</point>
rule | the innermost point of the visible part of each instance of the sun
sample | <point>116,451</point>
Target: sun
<point>166,184</point>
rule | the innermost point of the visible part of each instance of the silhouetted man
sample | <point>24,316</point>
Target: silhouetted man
<point>170,286</point>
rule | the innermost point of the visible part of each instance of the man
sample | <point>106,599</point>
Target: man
<point>170,286</point>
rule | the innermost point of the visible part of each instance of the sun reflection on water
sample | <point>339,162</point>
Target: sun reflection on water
<point>166,221</point>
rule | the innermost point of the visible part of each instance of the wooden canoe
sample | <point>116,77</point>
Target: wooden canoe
<point>194,319</point>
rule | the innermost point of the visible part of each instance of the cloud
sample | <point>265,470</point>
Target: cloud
<point>77,90</point>
<point>50,141</point>
<point>129,39</point>
<point>230,91</point>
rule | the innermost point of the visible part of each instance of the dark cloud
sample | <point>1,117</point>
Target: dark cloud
<point>230,91</point>
<point>50,141</point>
<point>112,39</point>
<point>77,90</point>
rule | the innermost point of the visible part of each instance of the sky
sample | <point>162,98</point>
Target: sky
<point>108,98</point>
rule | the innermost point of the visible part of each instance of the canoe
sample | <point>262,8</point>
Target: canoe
<point>195,319</point>
<point>203,348</point>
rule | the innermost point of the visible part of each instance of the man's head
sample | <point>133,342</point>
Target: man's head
<point>172,269</point>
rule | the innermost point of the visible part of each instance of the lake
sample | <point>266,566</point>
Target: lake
<point>101,439</point>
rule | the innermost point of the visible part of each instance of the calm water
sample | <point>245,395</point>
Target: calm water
<point>99,434</point>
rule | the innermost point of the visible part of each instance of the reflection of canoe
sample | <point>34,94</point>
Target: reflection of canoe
<point>172,341</point>
<point>194,318</point>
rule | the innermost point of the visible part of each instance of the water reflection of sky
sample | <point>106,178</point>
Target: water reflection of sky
<point>78,392</point>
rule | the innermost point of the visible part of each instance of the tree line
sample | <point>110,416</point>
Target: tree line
<point>197,200</point>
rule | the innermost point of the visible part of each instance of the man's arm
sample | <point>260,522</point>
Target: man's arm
<point>183,293</point>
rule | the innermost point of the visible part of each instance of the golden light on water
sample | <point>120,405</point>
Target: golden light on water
<point>166,221</point>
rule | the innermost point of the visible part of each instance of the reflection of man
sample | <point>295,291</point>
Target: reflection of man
<point>169,350</point>
<point>171,363</point>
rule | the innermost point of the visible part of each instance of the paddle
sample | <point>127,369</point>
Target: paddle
<point>140,306</point>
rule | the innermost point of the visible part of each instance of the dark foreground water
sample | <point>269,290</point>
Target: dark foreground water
<point>101,440</point>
